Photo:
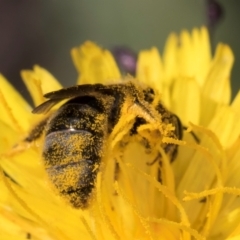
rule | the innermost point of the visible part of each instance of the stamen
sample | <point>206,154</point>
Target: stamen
<point>192,195</point>
<point>215,203</point>
<point>105,218</point>
<point>93,237</point>
<point>216,141</point>
<point>169,176</point>
<point>184,228</point>
<point>134,208</point>
<point>166,192</point>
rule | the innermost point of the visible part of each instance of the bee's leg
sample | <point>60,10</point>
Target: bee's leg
<point>10,178</point>
<point>34,134</point>
<point>28,236</point>
<point>37,131</point>
<point>159,175</point>
<point>203,200</point>
<point>154,160</point>
<point>116,175</point>
<point>116,171</point>
<point>159,170</point>
<point>193,135</point>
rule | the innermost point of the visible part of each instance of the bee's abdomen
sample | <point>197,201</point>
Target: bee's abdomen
<point>73,149</point>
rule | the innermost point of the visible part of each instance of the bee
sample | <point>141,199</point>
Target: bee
<point>77,132</point>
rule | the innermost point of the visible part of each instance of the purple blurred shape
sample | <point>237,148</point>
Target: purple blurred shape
<point>214,13</point>
<point>126,59</point>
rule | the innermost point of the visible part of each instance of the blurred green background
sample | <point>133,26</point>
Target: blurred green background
<point>43,31</point>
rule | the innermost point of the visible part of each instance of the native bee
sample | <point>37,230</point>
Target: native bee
<point>76,133</point>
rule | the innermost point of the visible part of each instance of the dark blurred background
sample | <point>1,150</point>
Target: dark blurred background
<point>43,31</point>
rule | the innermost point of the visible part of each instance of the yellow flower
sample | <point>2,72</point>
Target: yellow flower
<point>198,196</point>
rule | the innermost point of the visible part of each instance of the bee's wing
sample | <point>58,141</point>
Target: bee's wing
<point>68,93</point>
<point>46,106</point>
<point>75,91</point>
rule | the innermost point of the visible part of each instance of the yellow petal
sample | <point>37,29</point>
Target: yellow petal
<point>9,230</point>
<point>189,55</point>
<point>225,123</point>
<point>208,108</point>
<point>170,58</point>
<point>186,100</point>
<point>94,64</point>
<point>228,218</point>
<point>149,68</point>
<point>34,189</point>
<point>8,137</point>
<point>185,53</point>
<point>201,54</point>
<point>217,85</point>
<point>201,173</point>
<point>236,103</point>
<point>235,235</point>
<point>15,111</point>
<point>39,81</point>
<point>194,54</point>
